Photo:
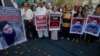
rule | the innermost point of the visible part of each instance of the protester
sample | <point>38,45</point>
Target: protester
<point>27,15</point>
<point>66,18</point>
<point>97,10</point>
<point>86,11</point>
<point>90,38</point>
<point>79,12</point>
<point>76,37</point>
<point>97,13</point>
<point>41,10</point>
<point>54,33</point>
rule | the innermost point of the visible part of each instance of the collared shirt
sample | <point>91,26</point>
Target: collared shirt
<point>27,15</point>
<point>41,11</point>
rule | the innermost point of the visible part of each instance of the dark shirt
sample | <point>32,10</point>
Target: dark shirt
<point>77,28</point>
<point>92,29</point>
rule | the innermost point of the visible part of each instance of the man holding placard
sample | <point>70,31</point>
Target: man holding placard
<point>41,20</point>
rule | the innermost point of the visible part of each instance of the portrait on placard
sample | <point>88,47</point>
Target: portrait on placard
<point>92,26</point>
<point>77,25</point>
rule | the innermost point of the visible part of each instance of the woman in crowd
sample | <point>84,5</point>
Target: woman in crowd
<point>76,37</point>
<point>79,12</point>
<point>86,11</point>
<point>97,10</point>
<point>54,33</point>
<point>90,38</point>
<point>66,21</point>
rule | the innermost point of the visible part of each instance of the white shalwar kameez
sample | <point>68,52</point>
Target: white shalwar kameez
<point>42,11</point>
<point>54,33</point>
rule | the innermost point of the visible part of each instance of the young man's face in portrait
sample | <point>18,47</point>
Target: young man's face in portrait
<point>7,29</point>
<point>78,23</point>
<point>94,23</point>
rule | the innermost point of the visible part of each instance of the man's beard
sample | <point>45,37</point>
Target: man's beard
<point>10,38</point>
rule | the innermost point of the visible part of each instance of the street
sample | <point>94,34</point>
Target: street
<point>47,47</point>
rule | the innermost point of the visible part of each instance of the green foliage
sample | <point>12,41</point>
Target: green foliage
<point>59,2</point>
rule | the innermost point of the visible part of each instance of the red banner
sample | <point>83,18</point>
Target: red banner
<point>54,21</point>
<point>41,22</point>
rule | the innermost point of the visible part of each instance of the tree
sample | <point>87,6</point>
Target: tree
<point>59,2</point>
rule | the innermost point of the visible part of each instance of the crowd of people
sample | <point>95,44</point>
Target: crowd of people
<point>67,12</point>
<point>28,13</point>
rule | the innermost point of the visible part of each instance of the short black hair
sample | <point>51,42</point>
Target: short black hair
<point>24,3</point>
<point>96,20</point>
<point>26,0</point>
<point>54,7</point>
<point>44,2</point>
<point>79,21</point>
<point>86,5</point>
<point>32,6</point>
<point>98,6</point>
